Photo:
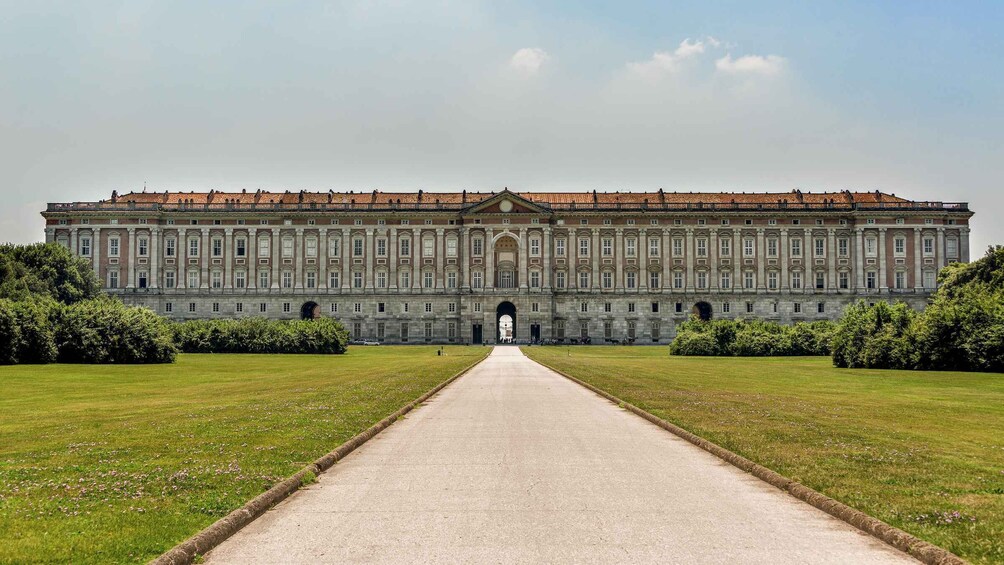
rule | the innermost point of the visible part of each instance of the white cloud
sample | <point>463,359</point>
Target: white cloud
<point>666,62</point>
<point>528,60</point>
<point>751,64</point>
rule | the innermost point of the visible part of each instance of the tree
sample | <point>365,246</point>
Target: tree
<point>45,269</point>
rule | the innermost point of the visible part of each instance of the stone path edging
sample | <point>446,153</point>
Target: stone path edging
<point>214,534</point>
<point>903,541</point>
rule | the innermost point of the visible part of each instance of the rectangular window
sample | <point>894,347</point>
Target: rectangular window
<point>677,279</point>
<point>428,307</point>
<point>871,280</point>
<point>899,246</point>
<point>428,247</point>
<point>241,247</point>
<point>451,307</point>
<point>820,281</point>
<point>772,280</point>
<point>193,247</point>
<point>312,279</point>
<point>113,279</point>
<point>655,307</point>
<point>726,307</point>
<point>405,331</point>
<point>451,330</point>
<point>748,247</point>
<point>843,281</point>
<point>678,247</point>
<point>608,329</point>
<point>311,246</point>
<point>381,247</point>
<point>428,330</point>
<point>702,279</point>
<point>653,247</point>
<point>357,247</point>
<point>928,246</point>
<point>451,247</point>
<point>193,279</point>
<point>143,247</point>
<point>478,245</point>
<point>476,279</point>
<point>631,247</point>
<point>798,307</point>
<point>583,247</point>
<point>169,279</point>
<point>357,280</point>
<point>900,280</point>
<point>871,246</point>
<point>216,307</point>
<point>287,247</point>
<point>263,279</point>
<point>796,280</point>
<point>952,247</point>
<point>534,279</point>
<point>820,249</point>
<point>653,280</point>
<point>217,247</point>
<point>239,307</point>
<point>702,247</point>
<point>113,247</point>
<point>749,307</point>
<point>607,279</point>
<point>191,307</point>
<point>263,246</point>
<point>725,247</point>
<point>287,279</point>
<point>842,247</point>
<point>334,246</point>
<point>607,247</point>
<point>821,307</point>
<point>749,280</point>
<point>217,279</point>
<point>405,245</point>
<point>451,279</point>
<point>584,280</point>
<point>584,307</point>
<point>168,307</point>
<point>583,329</point>
<point>240,279</point>
<point>929,279</point>
<point>559,329</point>
<point>559,247</point>
<point>631,279</point>
<point>85,246</point>
<point>534,247</point>
<point>559,279</point>
<point>333,281</point>
<point>655,330</point>
<point>263,307</point>
<point>796,248</point>
<point>726,280</point>
<point>772,247</point>
<point>428,280</point>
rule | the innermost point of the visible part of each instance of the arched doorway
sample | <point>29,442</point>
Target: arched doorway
<point>505,318</point>
<point>310,310</point>
<point>702,311</point>
<point>506,259</point>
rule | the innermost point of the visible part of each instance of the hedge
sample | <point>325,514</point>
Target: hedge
<point>751,338</point>
<point>259,335</point>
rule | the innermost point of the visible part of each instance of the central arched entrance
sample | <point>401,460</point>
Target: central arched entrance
<point>310,310</point>
<point>702,311</point>
<point>505,322</point>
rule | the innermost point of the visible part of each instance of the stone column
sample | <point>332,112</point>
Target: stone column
<point>619,259</point>
<point>738,261</point>
<point>940,251</point>
<point>964,244</point>
<point>489,259</point>
<point>204,259</point>
<point>130,258</point>
<point>392,251</point>
<point>50,235</point>
<point>322,259</point>
<point>882,259</point>
<point>594,283</point>
<point>298,252</point>
<point>96,255</point>
<point>783,250</point>
<point>643,260</point>
<point>464,258</point>
<point>276,256</point>
<point>761,259</point>
<point>831,260</point>
<point>572,250</point>
<point>74,248</point>
<point>417,259</point>
<point>713,260</point>
<point>440,259</point>
<point>228,270</point>
<point>545,261</point>
<point>345,259</point>
<point>369,249</point>
<point>667,260</point>
<point>859,258</point>
<point>689,249</point>
<point>253,258</point>
<point>154,277</point>
<point>918,260</point>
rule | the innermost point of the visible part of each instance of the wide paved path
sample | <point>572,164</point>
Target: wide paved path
<point>513,463</point>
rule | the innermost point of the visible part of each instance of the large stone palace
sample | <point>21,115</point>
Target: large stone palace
<point>424,267</point>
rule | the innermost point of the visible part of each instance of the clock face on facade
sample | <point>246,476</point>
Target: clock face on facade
<point>505,206</point>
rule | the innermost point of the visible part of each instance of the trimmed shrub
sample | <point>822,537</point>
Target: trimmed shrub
<point>107,331</point>
<point>259,335</point>
<point>751,338</point>
<point>38,340</point>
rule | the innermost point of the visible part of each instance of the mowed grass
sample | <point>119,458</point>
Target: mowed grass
<point>110,464</point>
<point>923,451</point>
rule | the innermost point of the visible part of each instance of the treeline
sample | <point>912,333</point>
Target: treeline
<point>102,330</point>
<point>258,335</point>
<point>961,329</point>
<point>752,338</point>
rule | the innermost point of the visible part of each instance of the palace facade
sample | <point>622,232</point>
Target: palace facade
<point>426,267</point>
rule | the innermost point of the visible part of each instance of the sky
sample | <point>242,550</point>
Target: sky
<point>902,97</point>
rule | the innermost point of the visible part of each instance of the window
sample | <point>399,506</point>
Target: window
<point>843,281</point>
<point>191,307</point>
<point>796,247</point>
<point>405,308</point>
<point>871,246</point>
<point>143,246</point>
<point>169,279</point>
<point>405,331</point>
<point>113,246</point>
<point>263,247</point>
<point>631,308</point>
<point>405,279</point>
<point>287,247</point>
<point>607,279</point>
<point>287,279</point>
<point>583,246</point>
<point>357,280</point>
<point>702,279</point>
<point>405,245</point>
<point>820,246</point>
<point>311,246</point>
<point>583,279</point>
<point>655,307</point>
<point>677,247</point>
<point>217,279</point>
<point>85,246</point>
<point>772,247</point>
<point>113,279</point>
<point>477,307</point>
<point>168,307</point>
<point>381,330</point>
<point>870,280</point>
<point>821,307</point>
<point>726,307</point>
<point>240,279</point>
<point>193,247</point>
<point>428,307</point>
<point>679,307</point>
<point>263,307</point>
<point>608,329</point>
<point>334,308</point>
<point>631,278</point>
<point>451,279</point>
<point>798,307</point>
<point>334,246</point>
<point>726,281</point>
<point>899,280</point>
<point>312,279</point>
<point>653,247</point>
<point>702,247</point>
<point>631,245</point>
<point>607,307</point>
<point>583,329</point>
<point>725,247</point>
<point>796,280</point>
<point>478,246</point>
<point>534,279</point>
<point>928,246</point>
<point>820,280</point>
<point>451,247</point>
<point>559,329</point>
<point>193,279</point>
<point>333,281</point>
<point>217,247</point>
<point>749,280</point>
<point>929,279</point>
<point>559,247</point>
<point>677,279</point>
<point>381,247</point>
<point>534,246</point>
<point>842,247</point>
<point>428,330</point>
<point>451,307</point>
<point>952,247</point>
<point>748,249</point>
<point>428,247</point>
<point>357,308</point>
<point>451,330</point>
<point>357,247</point>
<point>653,279</point>
<point>749,307</point>
<point>559,279</point>
<point>242,247</point>
<point>584,307</point>
<point>899,246</point>
<point>607,247</point>
<point>427,280</point>
<point>263,279</point>
<point>772,280</point>
<point>476,279</point>
<point>216,307</point>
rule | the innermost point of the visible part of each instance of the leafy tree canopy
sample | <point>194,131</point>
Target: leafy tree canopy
<point>45,270</point>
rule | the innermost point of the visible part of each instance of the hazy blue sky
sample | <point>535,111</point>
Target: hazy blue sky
<point>904,97</point>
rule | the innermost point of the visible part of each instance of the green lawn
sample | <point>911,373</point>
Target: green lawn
<point>119,463</point>
<point>911,448</point>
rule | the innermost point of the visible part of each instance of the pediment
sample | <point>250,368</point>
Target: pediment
<point>506,202</point>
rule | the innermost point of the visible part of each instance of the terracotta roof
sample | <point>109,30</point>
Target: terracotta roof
<point>461,198</point>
